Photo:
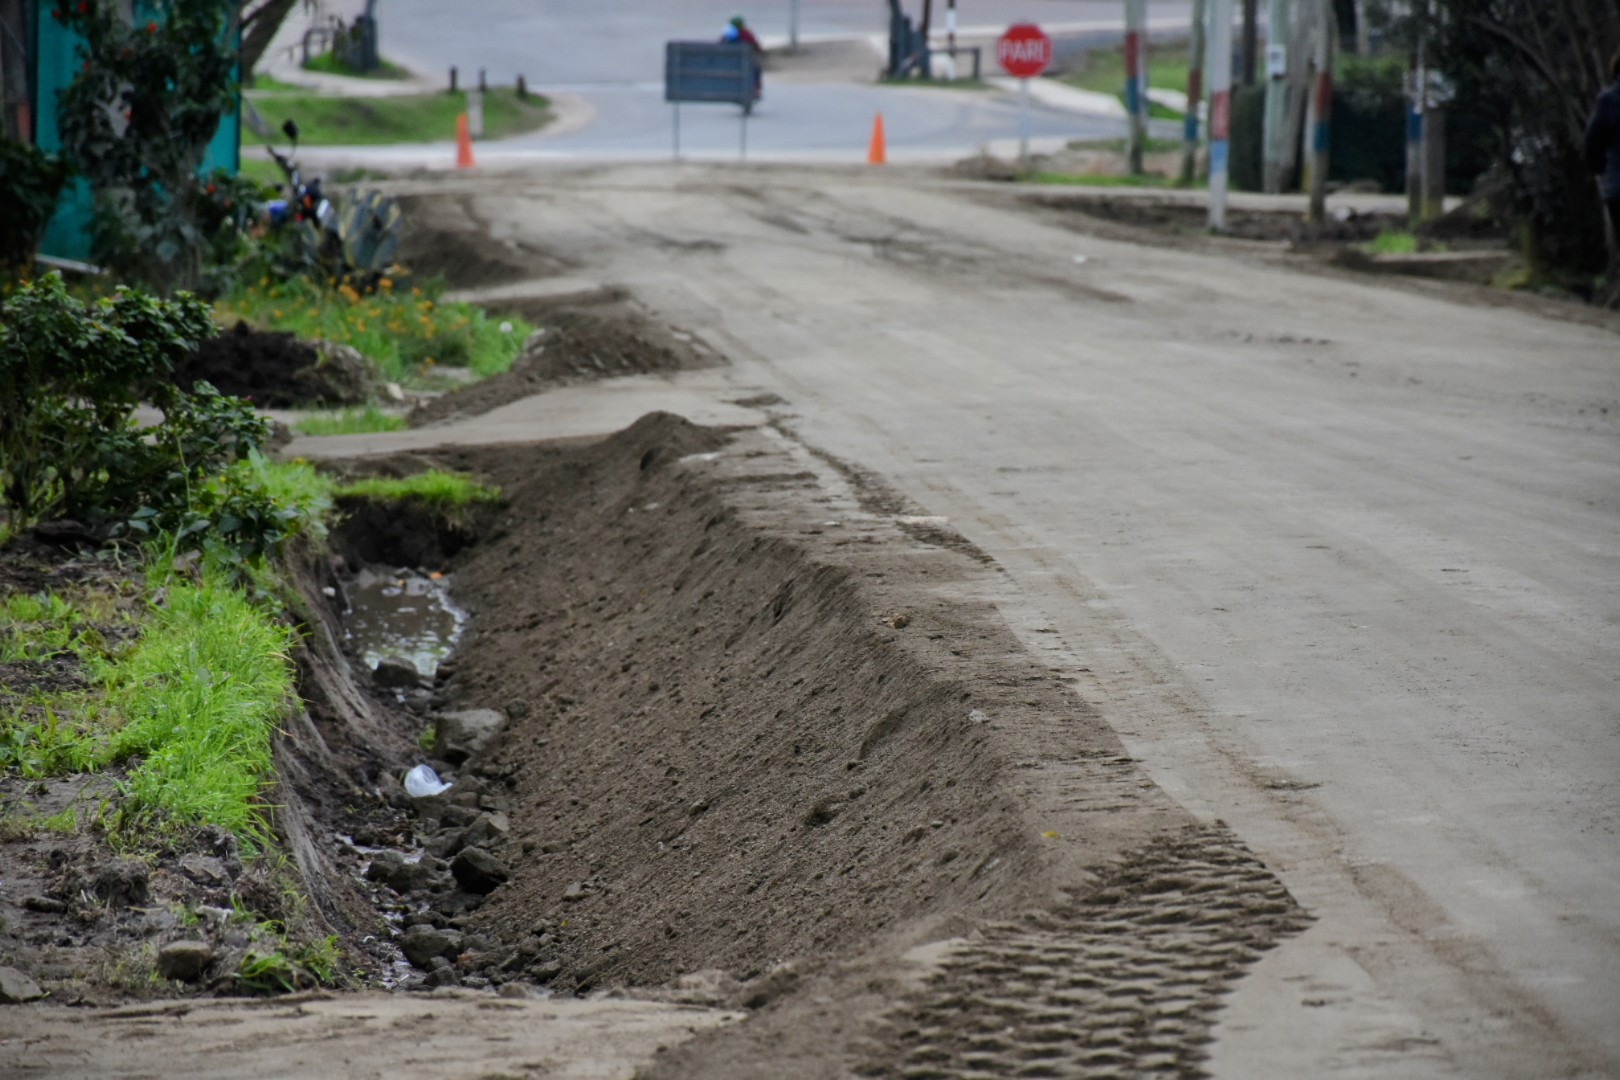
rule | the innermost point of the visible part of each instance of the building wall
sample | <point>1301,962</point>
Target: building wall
<point>56,52</point>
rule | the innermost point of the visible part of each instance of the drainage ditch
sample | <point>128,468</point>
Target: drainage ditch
<point>722,729</point>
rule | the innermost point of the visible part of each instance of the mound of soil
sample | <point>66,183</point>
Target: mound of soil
<point>1241,224</point>
<point>576,346</point>
<point>446,238</point>
<point>277,370</point>
<point>751,754</point>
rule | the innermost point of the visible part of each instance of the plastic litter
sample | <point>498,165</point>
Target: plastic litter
<point>422,782</point>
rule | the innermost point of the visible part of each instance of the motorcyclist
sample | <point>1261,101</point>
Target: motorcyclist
<point>737,32</point>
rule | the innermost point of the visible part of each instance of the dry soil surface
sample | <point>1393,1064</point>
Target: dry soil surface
<point>1220,680</point>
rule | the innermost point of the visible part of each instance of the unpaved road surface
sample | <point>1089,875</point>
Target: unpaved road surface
<point>1336,558</point>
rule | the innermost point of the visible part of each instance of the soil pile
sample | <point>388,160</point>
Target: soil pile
<point>751,754</point>
<point>575,347</point>
<point>277,370</point>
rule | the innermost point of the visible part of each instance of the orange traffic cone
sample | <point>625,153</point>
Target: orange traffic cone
<point>877,153</point>
<point>464,158</point>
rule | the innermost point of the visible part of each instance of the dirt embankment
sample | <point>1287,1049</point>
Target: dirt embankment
<point>761,741</point>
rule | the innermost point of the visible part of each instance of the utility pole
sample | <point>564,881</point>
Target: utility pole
<point>1275,151</point>
<point>1250,51</point>
<point>1220,110</point>
<point>1195,93</point>
<point>793,26</point>
<point>1322,109</point>
<point>1136,78</point>
<point>1416,80</point>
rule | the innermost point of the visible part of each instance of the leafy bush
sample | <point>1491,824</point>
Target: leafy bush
<point>30,182</point>
<point>71,377</point>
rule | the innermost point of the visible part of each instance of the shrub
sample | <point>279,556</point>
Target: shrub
<point>71,377</point>
<point>30,182</point>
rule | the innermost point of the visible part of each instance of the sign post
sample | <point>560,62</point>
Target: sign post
<point>1023,52</point>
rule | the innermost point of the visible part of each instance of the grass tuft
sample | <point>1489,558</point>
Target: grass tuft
<point>445,492</point>
<point>350,422</point>
<point>1392,242</point>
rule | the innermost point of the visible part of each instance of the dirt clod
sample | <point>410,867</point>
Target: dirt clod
<point>184,960</point>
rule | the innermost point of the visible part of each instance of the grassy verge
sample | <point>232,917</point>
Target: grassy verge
<point>185,676</point>
<point>1103,70</point>
<point>407,332</point>
<point>375,121</point>
<point>350,422</point>
<point>448,494</point>
<point>331,64</point>
<point>1101,180</point>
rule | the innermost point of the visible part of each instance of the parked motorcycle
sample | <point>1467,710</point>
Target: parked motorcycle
<point>354,239</point>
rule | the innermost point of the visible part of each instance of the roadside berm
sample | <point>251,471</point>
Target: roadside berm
<point>746,733</point>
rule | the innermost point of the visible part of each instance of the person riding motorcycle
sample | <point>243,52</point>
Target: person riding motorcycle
<point>737,32</point>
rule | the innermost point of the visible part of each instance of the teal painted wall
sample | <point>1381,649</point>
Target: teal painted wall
<point>56,50</point>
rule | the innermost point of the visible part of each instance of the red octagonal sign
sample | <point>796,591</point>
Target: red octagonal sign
<point>1024,51</point>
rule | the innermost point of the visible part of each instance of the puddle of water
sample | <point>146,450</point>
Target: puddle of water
<point>404,614</point>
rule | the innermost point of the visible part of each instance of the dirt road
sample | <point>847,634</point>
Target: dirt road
<point>1336,558</point>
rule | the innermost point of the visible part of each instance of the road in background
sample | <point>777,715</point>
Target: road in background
<point>607,57</point>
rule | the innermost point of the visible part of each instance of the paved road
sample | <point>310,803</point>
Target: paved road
<point>607,55</point>
<point>1336,558</point>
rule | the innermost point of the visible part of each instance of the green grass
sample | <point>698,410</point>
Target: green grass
<point>1101,180</point>
<point>350,422</point>
<point>199,696</point>
<point>407,331</point>
<point>445,492</point>
<point>376,121</point>
<point>330,64</point>
<point>264,84</point>
<point>265,172</point>
<point>191,701</point>
<point>1392,242</point>
<point>1103,70</point>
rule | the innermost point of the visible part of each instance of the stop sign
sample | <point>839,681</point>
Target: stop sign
<point>1024,51</point>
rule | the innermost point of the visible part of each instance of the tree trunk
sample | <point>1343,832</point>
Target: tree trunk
<point>259,25</point>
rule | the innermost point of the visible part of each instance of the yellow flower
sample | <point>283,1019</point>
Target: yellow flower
<point>386,283</point>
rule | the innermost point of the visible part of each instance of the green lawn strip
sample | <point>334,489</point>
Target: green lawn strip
<point>1103,70</point>
<point>447,493</point>
<point>405,330</point>
<point>361,421</point>
<point>325,120</point>
<point>332,64</point>
<point>1101,180</point>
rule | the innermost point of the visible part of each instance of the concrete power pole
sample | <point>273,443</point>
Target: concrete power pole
<point>1275,150</point>
<point>1322,108</point>
<point>1195,93</point>
<point>1136,78</point>
<point>1220,109</point>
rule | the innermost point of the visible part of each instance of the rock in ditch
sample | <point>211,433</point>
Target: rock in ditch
<point>184,960</point>
<point>393,673</point>
<point>394,870</point>
<point>16,988</point>
<point>424,944</point>
<point>477,871</point>
<point>460,735</point>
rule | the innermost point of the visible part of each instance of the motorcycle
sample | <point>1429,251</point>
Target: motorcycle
<point>354,239</point>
